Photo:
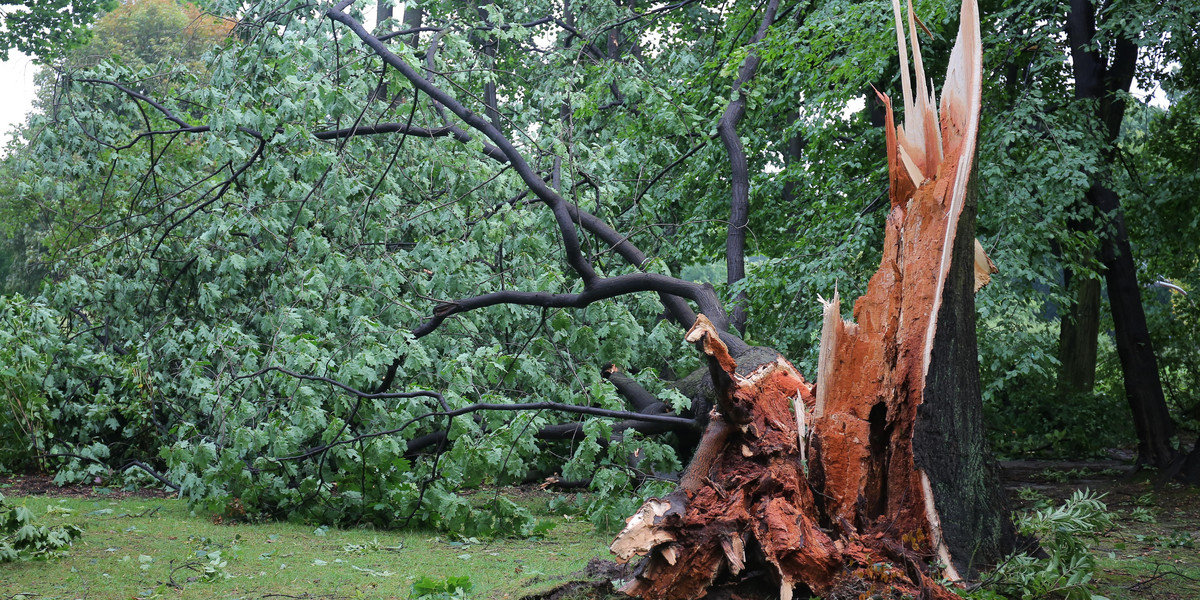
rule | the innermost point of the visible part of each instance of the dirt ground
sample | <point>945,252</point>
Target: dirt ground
<point>43,485</point>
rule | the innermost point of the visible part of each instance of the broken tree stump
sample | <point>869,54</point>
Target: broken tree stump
<point>875,480</point>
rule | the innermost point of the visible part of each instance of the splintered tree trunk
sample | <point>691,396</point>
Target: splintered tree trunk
<point>874,481</point>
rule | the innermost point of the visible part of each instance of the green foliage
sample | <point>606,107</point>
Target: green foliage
<point>449,588</point>
<point>44,376</point>
<point>23,369</point>
<point>310,262</point>
<point>22,538</point>
<point>47,27</point>
<point>1064,533</point>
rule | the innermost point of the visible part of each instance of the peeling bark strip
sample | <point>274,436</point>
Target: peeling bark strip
<point>895,492</point>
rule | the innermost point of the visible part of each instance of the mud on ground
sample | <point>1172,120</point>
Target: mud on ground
<point>43,485</point>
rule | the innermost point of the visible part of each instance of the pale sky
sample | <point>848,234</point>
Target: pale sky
<point>16,92</point>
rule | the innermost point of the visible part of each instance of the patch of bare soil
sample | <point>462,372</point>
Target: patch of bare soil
<point>43,485</point>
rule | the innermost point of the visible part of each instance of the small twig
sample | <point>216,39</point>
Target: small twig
<point>1157,567</point>
<point>149,512</point>
<point>305,596</point>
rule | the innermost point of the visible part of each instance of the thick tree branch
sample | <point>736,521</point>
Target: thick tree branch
<point>739,203</point>
<point>595,290</point>
<point>641,399</point>
<point>544,193</point>
<point>565,213</point>
<point>1117,82</point>
<point>1094,78</point>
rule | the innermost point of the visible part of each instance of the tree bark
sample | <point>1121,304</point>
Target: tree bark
<point>1079,328</point>
<point>487,44</point>
<point>739,200</point>
<point>383,11</point>
<point>413,15</point>
<point>1143,387</point>
<point>851,487</point>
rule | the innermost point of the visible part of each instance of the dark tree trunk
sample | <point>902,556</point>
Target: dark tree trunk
<point>949,443</point>
<point>1105,84</point>
<point>793,159</point>
<point>487,44</point>
<point>413,16</point>
<point>1143,388</point>
<point>739,199</point>
<point>1078,333</point>
<point>383,11</point>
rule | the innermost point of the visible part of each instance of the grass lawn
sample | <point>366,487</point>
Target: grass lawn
<point>157,548</point>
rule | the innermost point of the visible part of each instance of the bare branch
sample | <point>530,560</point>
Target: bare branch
<point>351,390</point>
<point>567,408</point>
<point>597,289</point>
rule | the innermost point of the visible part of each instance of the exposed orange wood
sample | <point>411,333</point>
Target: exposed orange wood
<point>820,486</point>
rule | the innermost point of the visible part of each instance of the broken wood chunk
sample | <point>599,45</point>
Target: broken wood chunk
<point>641,533</point>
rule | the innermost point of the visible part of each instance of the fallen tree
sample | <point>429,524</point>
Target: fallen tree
<point>883,459</point>
<point>874,480</point>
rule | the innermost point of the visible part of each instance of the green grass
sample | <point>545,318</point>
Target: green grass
<point>1153,552</point>
<point>136,548</point>
<point>142,548</point>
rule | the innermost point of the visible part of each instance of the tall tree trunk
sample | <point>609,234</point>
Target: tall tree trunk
<point>793,159</point>
<point>851,487</point>
<point>413,16</point>
<point>383,11</point>
<point>1106,85</point>
<point>487,44</point>
<point>1078,336</point>
<point>1143,387</point>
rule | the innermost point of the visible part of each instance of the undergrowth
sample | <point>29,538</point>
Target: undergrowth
<point>1064,533</point>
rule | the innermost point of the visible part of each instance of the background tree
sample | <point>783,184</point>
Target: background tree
<point>156,41</point>
<point>46,29</point>
<point>1062,132</point>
